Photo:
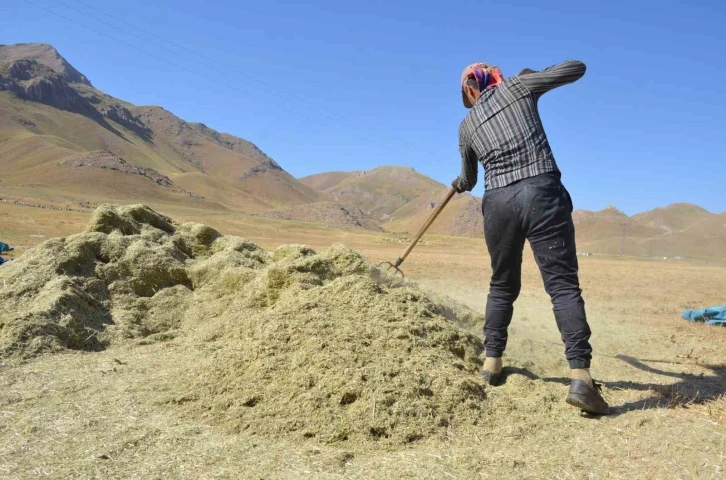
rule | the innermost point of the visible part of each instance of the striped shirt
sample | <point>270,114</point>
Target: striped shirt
<point>503,130</point>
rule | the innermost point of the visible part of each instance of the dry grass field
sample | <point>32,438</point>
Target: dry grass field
<point>108,414</point>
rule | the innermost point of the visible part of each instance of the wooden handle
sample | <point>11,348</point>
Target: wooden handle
<point>449,195</point>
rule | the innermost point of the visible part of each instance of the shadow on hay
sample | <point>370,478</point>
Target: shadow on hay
<point>691,389</point>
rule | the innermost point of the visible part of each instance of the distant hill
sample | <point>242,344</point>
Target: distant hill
<point>330,214</point>
<point>328,180</point>
<point>400,199</point>
<point>380,192</point>
<point>462,217</point>
<point>674,218</point>
<point>52,121</point>
<point>677,230</point>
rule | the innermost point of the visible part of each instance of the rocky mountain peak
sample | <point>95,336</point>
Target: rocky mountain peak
<point>45,55</point>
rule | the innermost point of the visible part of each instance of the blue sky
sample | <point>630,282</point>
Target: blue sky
<point>331,85</point>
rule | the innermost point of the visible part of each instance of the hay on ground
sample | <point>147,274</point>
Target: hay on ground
<point>314,345</point>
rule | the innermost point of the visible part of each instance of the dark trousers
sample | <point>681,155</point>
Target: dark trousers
<point>538,209</point>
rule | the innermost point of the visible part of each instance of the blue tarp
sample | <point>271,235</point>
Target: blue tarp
<point>4,247</point>
<point>2,260</point>
<point>709,316</point>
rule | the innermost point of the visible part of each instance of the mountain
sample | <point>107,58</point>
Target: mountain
<point>380,192</point>
<point>401,199</point>
<point>65,140</point>
<point>610,231</point>
<point>333,215</point>
<point>677,230</point>
<point>677,217</point>
<point>462,217</point>
<point>44,55</point>
<point>327,180</point>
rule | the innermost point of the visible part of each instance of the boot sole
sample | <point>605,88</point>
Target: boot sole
<point>580,401</point>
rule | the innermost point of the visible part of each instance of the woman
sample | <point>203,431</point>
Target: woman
<point>524,199</point>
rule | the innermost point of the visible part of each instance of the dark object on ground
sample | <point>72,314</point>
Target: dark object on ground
<point>4,247</point>
<point>491,378</point>
<point>587,399</point>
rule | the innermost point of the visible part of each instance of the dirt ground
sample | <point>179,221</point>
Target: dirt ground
<point>109,414</point>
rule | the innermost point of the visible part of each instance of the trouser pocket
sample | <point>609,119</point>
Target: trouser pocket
<point>569,198</point>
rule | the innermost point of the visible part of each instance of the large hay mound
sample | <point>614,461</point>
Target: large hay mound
<point>125,277</point>
<point>314,345</point>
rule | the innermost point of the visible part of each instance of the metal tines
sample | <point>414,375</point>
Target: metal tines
<point>392,266</point>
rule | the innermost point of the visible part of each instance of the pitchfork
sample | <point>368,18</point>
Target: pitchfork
<point>425,227</point>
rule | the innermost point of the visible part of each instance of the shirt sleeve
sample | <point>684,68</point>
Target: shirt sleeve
<point>553,77</point>
<point>469,166</point>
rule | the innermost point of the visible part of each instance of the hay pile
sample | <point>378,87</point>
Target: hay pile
<point>124,277</point>
<point>312,345</point>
